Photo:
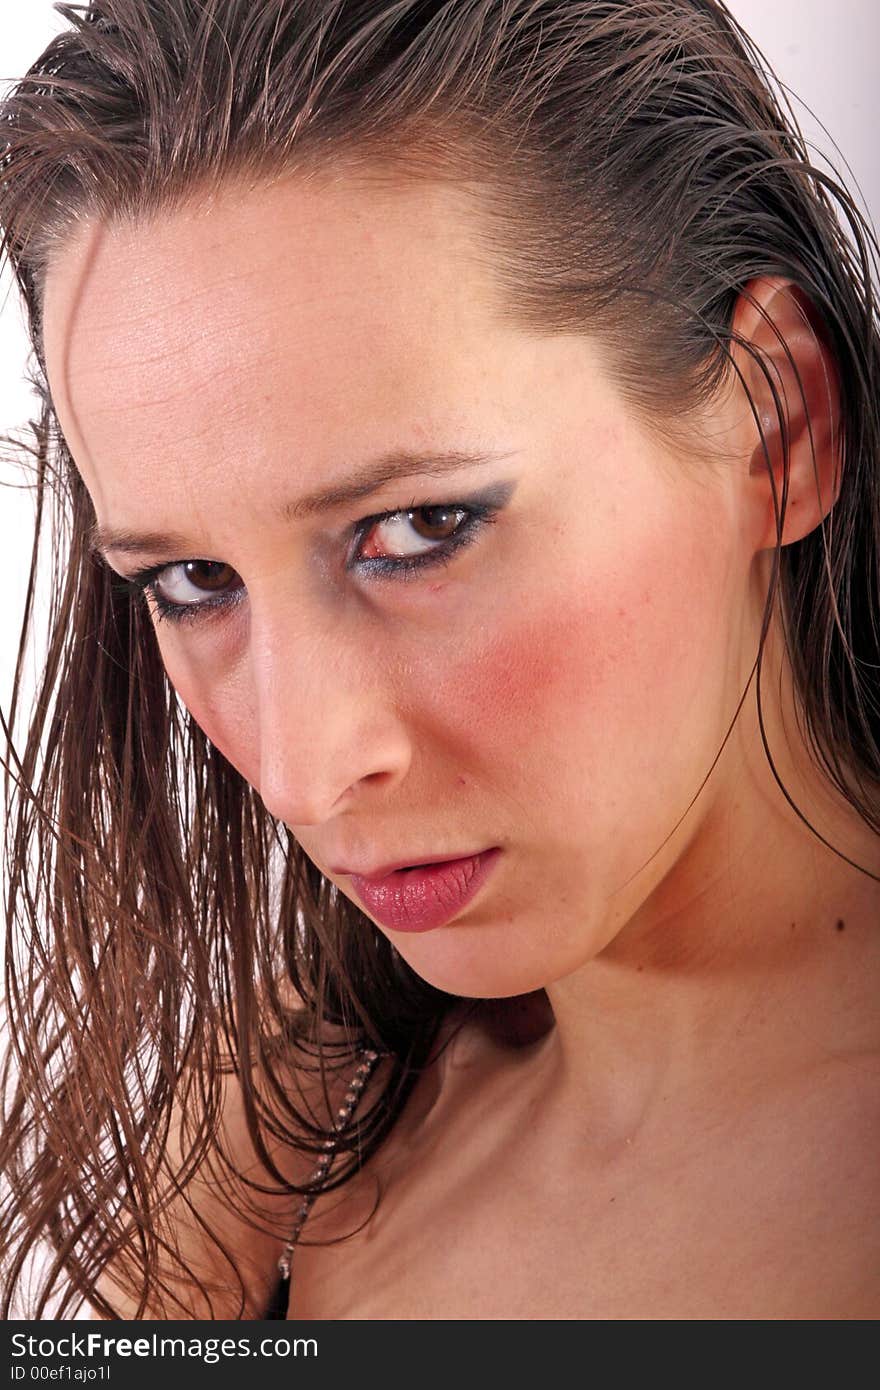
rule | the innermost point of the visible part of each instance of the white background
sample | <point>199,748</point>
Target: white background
<point>824,51</point>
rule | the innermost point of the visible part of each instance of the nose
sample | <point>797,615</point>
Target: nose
<point>329,723</point>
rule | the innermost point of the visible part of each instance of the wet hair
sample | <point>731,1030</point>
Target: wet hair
<point>635,166</point>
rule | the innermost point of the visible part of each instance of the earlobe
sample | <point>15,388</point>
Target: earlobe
<point>783,331</point>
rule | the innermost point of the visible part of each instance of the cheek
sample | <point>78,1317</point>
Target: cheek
<point>505,689</point>
<point>219,701</point>
<point>598,684</point>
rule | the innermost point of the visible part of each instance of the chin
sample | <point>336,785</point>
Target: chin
<point>467,961</point>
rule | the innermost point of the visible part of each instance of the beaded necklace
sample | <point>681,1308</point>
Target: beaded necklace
<point>368,1059</point>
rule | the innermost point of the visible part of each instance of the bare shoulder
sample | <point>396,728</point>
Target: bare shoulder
<point>226,1220</point>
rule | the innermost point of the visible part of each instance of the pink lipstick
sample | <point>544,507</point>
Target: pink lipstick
<point>426,896</point>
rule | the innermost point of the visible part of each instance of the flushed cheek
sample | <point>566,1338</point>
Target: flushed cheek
<point>575,699</point>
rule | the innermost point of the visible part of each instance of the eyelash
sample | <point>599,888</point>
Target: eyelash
<point>143,582</point>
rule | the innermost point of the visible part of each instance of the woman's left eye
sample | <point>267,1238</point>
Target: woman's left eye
<point>417,536</point>
<point>393,545</point>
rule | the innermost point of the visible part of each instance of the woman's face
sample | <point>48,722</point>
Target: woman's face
<point>558,686</point>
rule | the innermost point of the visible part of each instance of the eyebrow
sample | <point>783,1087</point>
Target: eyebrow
<point>388,468</point>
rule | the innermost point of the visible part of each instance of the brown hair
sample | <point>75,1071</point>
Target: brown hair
<point>636,170</point>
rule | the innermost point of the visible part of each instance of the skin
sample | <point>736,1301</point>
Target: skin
<point>560,689</point>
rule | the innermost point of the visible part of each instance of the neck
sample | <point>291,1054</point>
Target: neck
<point>756,956</point>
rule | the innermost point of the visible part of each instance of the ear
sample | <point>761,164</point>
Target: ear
<point>781,325</point>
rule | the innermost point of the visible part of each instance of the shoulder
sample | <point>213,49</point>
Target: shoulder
<point>221,1225</point>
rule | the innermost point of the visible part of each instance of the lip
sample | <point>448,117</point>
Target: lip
<point>427,897</point>
<point>383,871</point>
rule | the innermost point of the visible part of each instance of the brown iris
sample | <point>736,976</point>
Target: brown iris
<point>448,520</point>
<point>208,574</point>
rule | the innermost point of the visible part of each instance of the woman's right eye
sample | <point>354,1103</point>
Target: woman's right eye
<point>187,590</point>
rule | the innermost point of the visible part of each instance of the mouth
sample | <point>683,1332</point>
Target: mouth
<point>421,897</point>
<point>383,871</point>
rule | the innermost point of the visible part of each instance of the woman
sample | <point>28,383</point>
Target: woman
<point>317,292</point>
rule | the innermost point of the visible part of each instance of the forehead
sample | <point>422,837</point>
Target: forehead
<point>334,301</point>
